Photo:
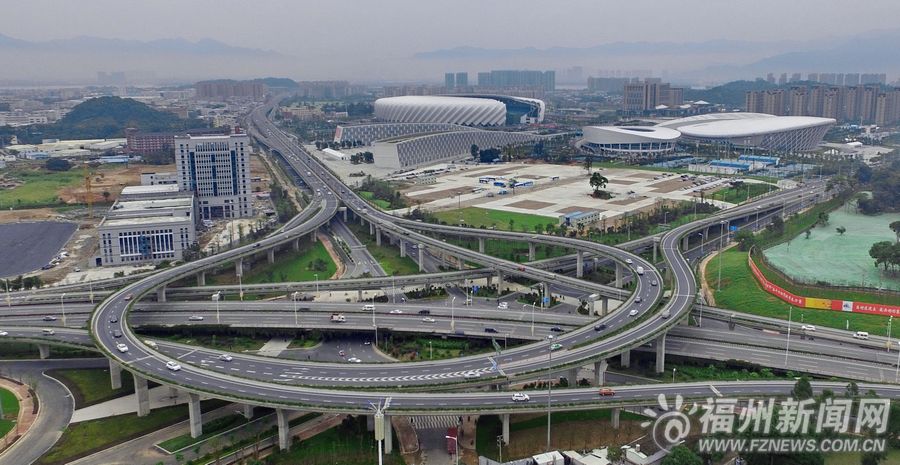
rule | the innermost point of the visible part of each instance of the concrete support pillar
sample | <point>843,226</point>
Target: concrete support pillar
<point>248,411</point>
<point>371,228</point>
<point>115,375</point>
<point>572,376</point>
<point>499,282</point>
<point>239,267</point>
<point>201,278</point>
<point>600,372</point>
<point>490,280</point>
<point>579,264</point>
<point>504,418</point>
<point>359,295</point>
<point>531,251</point>
<point>480,245</point>
<point>661,353</point>
<point>615,417</point>
<point>271,255</point>
<point>161,294</point>
<point>378,237</point>
<point>195,415</point>
<point>142,395</point>
<point>173,392</point>
<point>345,214</point>
<point>284,429</point>
<point>655,249</point>
<point>685,242</point>
<point>44,350</point>
<point>314,236</point>
<point>402,249</point>
<point>460,263</point>
<point>619,273</point>
<point>626,359</point>
<point>361,220</point>
<point>421,258</point>
<point>388,435</point>
<point>604,301</point>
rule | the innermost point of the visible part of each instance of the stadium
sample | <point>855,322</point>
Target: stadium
<point>466,110</point>
<point>788,134</point>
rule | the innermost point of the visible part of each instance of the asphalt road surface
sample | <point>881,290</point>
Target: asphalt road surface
<point>28,246</point>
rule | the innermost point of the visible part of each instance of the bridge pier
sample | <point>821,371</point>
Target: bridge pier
<point>504,418</point>
<point>345,214</point>
<point>271,255</point>
<point>421,258</point>
<point>685,242</point>
<point>531,251</point>
<point>661,354</point>
<point>44,350</point>
<point>402,249</point>
<point>239,267</point>
<point>284,429</point>
<point>619,273</point>
<point>614,417</point>
<point>378,237</point>
<point>655,248</point>
<point>248,411</point>
<point>201,278</point>
<point>371,228</point>
<point>295,244</point>
<point>195,415</point>
<point>359,295</point>
<point>142,395</point>
<point>604,305</point>
<point>579,265</point>
<point>460,263</point>
<point>161,294</point>
<point>626,359</point>
<point>600,372</point>
<point>115,375</point>
<point>480,245</point>
<point>314,235</point>
<point>572,376</point>
<point>388,435</point>
<point>499,283</point>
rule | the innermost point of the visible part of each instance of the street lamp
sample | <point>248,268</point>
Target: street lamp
<point>63,307</point>
<point>890,321</point>
<point>721,235</point>
<point>549,392</point>
<point>216,297</point>
<point>430,351</point>
<point>456,442</point>
<point>673,375</point>
<point>532,318</point>
<point>452,320</point>
<point>787,347</point>
<point>294,297</point>
<point>317,284</point>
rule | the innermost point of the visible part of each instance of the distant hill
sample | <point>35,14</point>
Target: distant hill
<point>107,117</point>
<point>731,94</point>
<point>286,83</point>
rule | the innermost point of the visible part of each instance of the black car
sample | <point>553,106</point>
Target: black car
<point>600,327</point>
<point>556,329</point>
<point>490,330</point>
<point>117,333</point>
<point>113,319</point>
<point>424,312</point>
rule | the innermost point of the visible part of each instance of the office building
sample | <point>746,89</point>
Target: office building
<point>217,170</point>
<point>649,95</point>
<point>159,178</point>
<point>462,79</point>
<point>449,80</point>
<point>607,84</point>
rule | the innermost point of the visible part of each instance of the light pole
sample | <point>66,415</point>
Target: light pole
<point>532,318</point>
<point>8,301</point>
<point>673,375</point>
<point>62,306</point>
<point>721,235</point>
<point>890,320</point>
<point>430,351</point>
<point>215,298</point>
<point>452,320</point>
<point>787,347</point>
<point>294,296</point>
<point>456,442</point>
<point>549,392</point>
<point>317,284</point>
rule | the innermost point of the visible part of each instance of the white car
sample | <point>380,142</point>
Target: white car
<point>121,347</point>
<point>549,336</point>
<point>173,366</point>
<point>808,327</point>
<point>195,318</point>
<point>471,374</point>
<point>396,311</point>
<point>633,312</point>
<point>428,319</point>
<point>4,333</point>
<point>354,360</point>
<point>226,358</point>
<point>520,397</point>
<point>629,261</point>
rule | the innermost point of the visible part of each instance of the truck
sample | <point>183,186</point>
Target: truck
<point>640,270</point>
<point>338,318</point>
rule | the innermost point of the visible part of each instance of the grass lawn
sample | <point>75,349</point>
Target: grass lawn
<point>10,411</point>
<point>338,445</point>
<point>225,343</point>
<point>92,386</point>
<point>210,429</point>
<point>511,250</point>
<point>294,266</point>
<point>741,292</point>
<point>478,217</point>
<point>432,348</point>
<point>742,193</point>
<point>39,189</point>
<point>87,437</point>
<point>305,342</point>
<point>382,204</point>
<point>387,256</point>
<point>853,458</point>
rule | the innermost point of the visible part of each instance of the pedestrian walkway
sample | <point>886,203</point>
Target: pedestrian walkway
<point>274,347</point>
<point>160,396</point>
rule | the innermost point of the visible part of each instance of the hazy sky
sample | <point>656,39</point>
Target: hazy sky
<point>402,27</point>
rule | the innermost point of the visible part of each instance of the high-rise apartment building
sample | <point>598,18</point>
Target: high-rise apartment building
<point>647,95</point>
<point>462,79</point>
<point>518,78</point>
<point>449,80</point>
<point>227,88</point>
<point>765,101</point>
<point>217,170</point>
<point>798,98</point>
<point>851,79</point>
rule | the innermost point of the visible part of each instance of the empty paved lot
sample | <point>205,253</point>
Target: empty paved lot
<point>26,247</point>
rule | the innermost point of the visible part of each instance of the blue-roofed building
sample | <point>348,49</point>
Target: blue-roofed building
<point>573,219</point>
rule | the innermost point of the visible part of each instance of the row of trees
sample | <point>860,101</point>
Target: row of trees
<point>20,283</point>
<point>344,144</point>
<point>362,157</point>
<point>886,255</point>
<point>382,190</point>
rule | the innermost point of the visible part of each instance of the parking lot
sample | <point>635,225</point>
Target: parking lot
<point>29,246</point>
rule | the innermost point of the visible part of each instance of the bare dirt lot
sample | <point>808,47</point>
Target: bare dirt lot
<point>110,180</point>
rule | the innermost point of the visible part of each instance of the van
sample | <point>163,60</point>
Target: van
<point>640,270</point>
<point>861,335</point>
<point>369,307</point>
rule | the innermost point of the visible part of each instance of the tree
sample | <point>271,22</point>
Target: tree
<point>106,195</point>
<point>840,230</point>
<point>474,151</point>
<point>895,226</point>
<point>802,389</point>
<point>588,162</point>
<point>682,455</point>
<point>808,232</point>
<point>745,239</point>
<point>822,219</point>
<point>598,182</point>
<point>57,164</point>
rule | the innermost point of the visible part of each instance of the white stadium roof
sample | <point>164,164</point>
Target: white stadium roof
<point>441,109</point>
<point>677,123</point>
<point>629,134</point>
<point>733,128</point>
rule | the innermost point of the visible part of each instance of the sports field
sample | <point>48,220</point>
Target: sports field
<point>837,259</point>
<point>499,219</point>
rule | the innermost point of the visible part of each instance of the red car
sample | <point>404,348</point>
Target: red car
<point>607,392</point>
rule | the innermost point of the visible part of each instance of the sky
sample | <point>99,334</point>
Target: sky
<point>377,38</point>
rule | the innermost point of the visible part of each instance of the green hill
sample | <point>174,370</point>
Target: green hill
<point>106,117</point>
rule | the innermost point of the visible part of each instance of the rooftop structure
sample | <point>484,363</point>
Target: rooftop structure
<point>467,109</point>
